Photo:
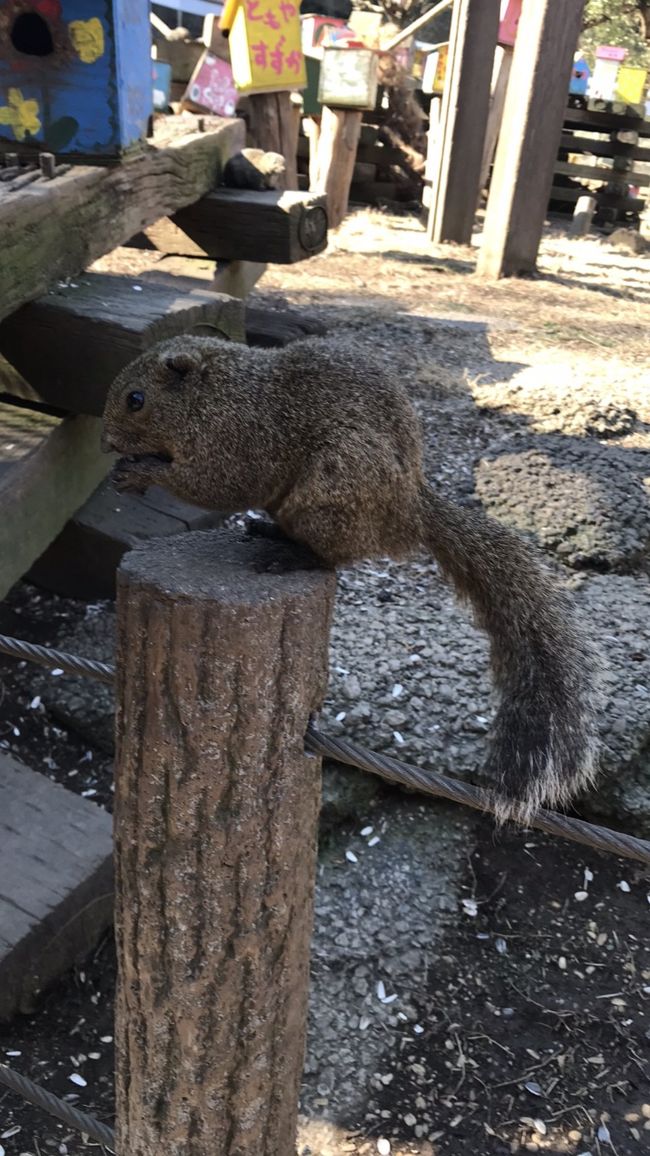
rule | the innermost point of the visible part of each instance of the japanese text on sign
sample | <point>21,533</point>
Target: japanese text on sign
<point>265,46</point>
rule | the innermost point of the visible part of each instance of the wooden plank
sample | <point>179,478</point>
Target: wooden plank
<point>51,229</point>
<point>575,142</point>
<point>70,344</point>
<point>82,561</point>
<point>601,173</point>
<point>464,117</point>
<point>48,467</point>
<point>276,327</point>
<point>56,882</point>
<point>534,113</point>
<point>600,121</point>
<point>246,225</point>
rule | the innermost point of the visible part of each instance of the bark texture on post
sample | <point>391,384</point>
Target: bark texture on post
<point>220,662</point>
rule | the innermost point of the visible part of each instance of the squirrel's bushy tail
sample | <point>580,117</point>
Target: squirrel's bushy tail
<point>544,744</point>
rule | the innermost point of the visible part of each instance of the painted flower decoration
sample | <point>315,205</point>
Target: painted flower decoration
<point>87,37</point>
<point>21,114</point>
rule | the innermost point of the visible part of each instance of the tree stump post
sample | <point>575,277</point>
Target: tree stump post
<point>220,662</point>
<point>338,140</point>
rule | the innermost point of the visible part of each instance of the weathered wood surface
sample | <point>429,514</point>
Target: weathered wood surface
<point>48,467</point>
<point>335,159</point>
<point>71,343</point>
<point>500,78</point>
<point>273,125</point>
<point>463,120</point>
<point>220,662</point>
<point>56,882</point>
<point>82,561</point>
<point>276,327</point>
<point>531,130</point>
<point>50,230</point>
<point>243,225</point>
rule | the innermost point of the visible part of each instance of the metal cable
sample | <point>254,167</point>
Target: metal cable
<point>45,656</point>
<point>41,1098</point>
<point>407,775</point>
<point>431,783</point>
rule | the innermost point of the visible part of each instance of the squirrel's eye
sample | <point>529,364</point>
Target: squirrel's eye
<point>135,400</point>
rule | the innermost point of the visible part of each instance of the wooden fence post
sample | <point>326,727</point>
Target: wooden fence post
<point>274,125</point>
<point>338,140</point>
<point>463,120</point>
<point>220,662</point>
<point>530,135</point>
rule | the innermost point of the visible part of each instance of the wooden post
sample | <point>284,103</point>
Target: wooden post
<point>503,65</point>
<point>464,114</point>
<point>220,662</point>
<point>273,125</point>
<point>582,216</point>
<point>530,136</point>
<point>337,152</point>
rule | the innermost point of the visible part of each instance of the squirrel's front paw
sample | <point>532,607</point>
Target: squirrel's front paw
<point>126,479</point>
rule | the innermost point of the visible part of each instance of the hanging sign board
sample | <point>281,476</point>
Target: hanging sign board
<point>265,46</point>
<point>212,87</point>
<point>348,78</point>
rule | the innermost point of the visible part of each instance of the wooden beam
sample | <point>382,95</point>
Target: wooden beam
<point>82,561</point>
<point>70,344</point>
<point>464,117</point>
<point>530,135</point>
<point>56,882</point>
<point>48,467</point>
<point>243,225</point>
<point>416,25</point>
<point>52,229</point>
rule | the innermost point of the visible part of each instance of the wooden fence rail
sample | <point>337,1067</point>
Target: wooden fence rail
<point>222,656</point>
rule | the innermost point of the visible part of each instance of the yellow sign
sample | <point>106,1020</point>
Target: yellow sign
<point>265,50</point>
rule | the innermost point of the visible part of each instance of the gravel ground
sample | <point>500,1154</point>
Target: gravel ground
<point>470,992</point>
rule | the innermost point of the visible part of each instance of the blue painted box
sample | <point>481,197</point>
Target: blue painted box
<point>75,76</point>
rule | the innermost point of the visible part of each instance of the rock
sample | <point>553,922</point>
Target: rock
<point>82,704</point>
<point>617,608</point>
<point>628,240</point>
<point>585,502</point>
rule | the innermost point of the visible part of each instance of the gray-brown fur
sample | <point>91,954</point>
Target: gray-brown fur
<point>331,448</point>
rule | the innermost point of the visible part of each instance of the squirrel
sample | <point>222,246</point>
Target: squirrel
<point>330,447</point>
<point>254,169</point>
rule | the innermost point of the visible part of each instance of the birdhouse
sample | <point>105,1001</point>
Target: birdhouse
<point>580,75</point>
<point>602,84</point>
<point>348,77</point>
<point>75,76</point>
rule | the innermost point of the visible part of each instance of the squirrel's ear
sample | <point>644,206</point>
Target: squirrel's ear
<point>180,366</point>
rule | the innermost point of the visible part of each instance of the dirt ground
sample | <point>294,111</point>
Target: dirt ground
<point>534,1016</point>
